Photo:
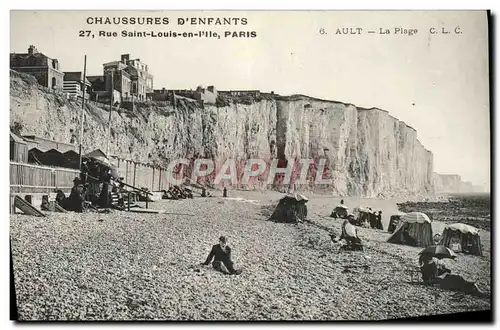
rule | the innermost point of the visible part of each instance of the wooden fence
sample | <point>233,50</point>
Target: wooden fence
<point>43,179</point>
<point>40,179</point>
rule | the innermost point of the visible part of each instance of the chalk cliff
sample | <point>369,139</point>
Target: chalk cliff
<point>451,183</point>
<point>368,152</point>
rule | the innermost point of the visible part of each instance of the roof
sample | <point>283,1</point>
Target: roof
<point>462,227</point>
<point>75,76</point>
<point>27,55</point>
<point>113,63</point>
<point>44,144</point>
<point>399,214</point>
<point>17,138</point>
<point>296,197</point>
<point>96,153</point>
<point>71,152</point>
<point>416,217</point>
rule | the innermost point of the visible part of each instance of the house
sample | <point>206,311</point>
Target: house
<point>202,95</point>
<point>74,85</point>
<point>97,83</point>
<point>206,95</point>
<point>45,69</point>
<point>160,95</point>
<point>131,78</point>
<point>117,78</point>
<point>254,93</point>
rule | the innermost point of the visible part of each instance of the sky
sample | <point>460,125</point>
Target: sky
<point>436,83</point>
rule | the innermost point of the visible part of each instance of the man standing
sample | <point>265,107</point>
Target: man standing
<point>221,253</point>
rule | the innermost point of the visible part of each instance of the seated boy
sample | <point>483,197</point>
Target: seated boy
<point>221,253</point>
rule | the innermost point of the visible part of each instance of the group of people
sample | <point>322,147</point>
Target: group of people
<point>93,187</point>
<point>365,217</point>
<point>434,273</point>
<point>76,200</point>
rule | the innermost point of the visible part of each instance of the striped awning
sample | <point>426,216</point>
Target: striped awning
<point>416,217</point>
<point>462,227</point>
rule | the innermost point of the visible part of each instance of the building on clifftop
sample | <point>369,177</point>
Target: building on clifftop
<point>131,78</point>
<point>43,68</point>
<point>74,85</point>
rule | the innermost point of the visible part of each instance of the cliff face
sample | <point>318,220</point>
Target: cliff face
<point>368,152</point>
<point>451,183</point>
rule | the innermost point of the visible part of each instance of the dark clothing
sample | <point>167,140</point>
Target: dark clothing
<point>75,201</point>
<point>219,254</point>
<point>222,260</point>
<point>457,283</point>
<point>226,268</point>
<point>104,200</point>
<point>429,272</point>
<point>224,193</point>
<point>379,222</point>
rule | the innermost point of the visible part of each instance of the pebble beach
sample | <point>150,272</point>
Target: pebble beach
<point>128,266</point>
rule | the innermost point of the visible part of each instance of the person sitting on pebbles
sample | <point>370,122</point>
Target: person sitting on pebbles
<point>435,274</point>
<point>221,253</point>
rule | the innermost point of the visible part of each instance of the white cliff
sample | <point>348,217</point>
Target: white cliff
<point>369,152</point>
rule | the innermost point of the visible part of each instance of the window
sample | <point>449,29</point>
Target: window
<point>54,82</point>
<point>54,64</point>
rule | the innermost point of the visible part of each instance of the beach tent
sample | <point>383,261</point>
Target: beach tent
<point>394,220</point>
<point>100,156</point>
<point>357,210</point>
<point>414,229</point>
<point>290,209</point>
<point>340,211</point>
<point>466,236</point>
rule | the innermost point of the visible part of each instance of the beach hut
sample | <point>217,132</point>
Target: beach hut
<point>72,159</point>
<point>358,210</point>
<point>394,220</point>
<point>414,229</point>
<point>340,211</point>
<point>290,209</point>
<point>18,149</point>
<point>462,238</point>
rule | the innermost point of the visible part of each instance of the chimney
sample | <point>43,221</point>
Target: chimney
<point>163,90</point>
<point>32,50</point>
<point>125,58</point>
